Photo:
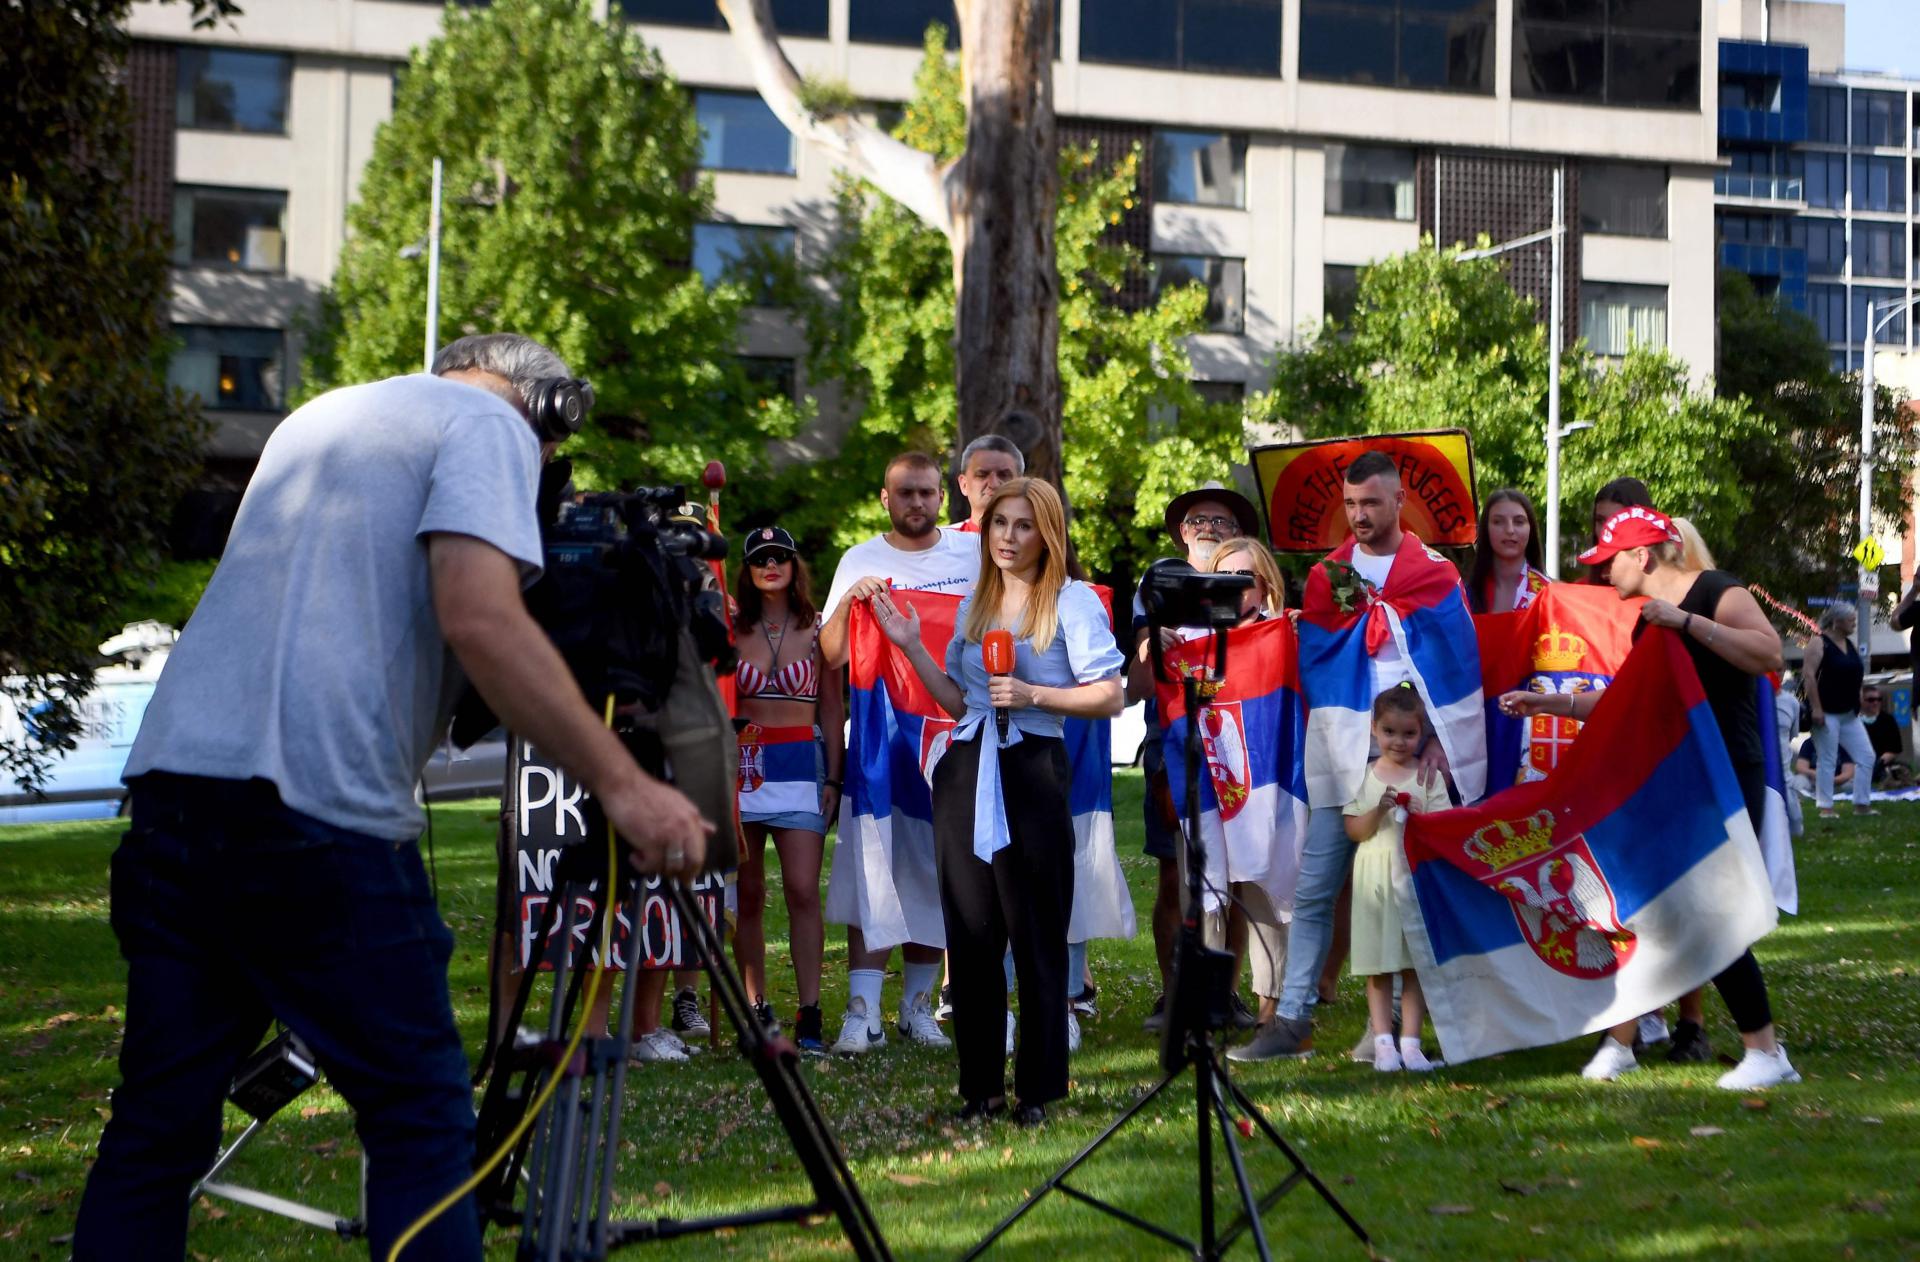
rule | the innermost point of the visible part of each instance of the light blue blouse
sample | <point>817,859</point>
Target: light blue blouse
<point>1083,652</point>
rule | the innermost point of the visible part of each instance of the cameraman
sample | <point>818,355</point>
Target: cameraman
<point>270,871</point>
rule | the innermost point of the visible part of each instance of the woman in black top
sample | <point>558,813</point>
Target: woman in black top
<point>1834,666</point>
<point>1730,642</point>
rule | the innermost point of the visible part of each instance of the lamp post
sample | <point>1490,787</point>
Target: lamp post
<point>1879,314</point>
<point>431,245</point>
<point>1557,234</point>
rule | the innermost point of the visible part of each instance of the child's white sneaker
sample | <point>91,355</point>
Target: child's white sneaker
<point>1611,1059</point>
<point>1413,1058</point>
<point>1386,1057</point>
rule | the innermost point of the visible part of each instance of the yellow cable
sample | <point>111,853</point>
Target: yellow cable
<point>447,1202</point>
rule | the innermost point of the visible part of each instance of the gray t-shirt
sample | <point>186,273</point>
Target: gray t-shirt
<point>315,659</point>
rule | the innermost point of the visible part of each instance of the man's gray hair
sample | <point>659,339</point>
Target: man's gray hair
<point>518,358</point>
<point>995,442</point>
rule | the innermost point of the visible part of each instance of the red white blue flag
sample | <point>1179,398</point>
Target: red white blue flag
<point>1626,878</point>
<point>1253,729</point>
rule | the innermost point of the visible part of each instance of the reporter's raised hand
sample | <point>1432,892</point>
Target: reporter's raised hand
<point>666,832</point>
<point>902,629</point>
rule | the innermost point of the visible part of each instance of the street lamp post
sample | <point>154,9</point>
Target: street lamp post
<point>1879,314</point>
<point>430,245</point>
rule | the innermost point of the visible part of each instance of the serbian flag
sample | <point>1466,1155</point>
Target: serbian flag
<point>1573,638</point>
<point>1776,830</point>
<point>1421,613</point>
<point>883,877</point>
<point>1626,878</point>
<point>1253,727</point>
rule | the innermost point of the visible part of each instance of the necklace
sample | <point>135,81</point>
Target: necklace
<point>773,643</point>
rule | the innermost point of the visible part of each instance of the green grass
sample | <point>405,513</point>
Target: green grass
<point>1513,1157</point>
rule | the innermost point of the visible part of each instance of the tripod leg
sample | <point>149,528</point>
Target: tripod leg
<point>1252,1110</point>
<point>1248,1200</point>
<point>1203,1125</point>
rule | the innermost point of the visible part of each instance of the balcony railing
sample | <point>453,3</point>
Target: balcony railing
<point>1760,188</point>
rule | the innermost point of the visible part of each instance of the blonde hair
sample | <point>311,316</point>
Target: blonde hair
<point>1040,620</point>
<point>1264,568</point>
<point>1694,553</point>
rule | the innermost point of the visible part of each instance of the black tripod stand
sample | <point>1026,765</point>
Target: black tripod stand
<point>1197,1004</point>
<point>565,1159</point>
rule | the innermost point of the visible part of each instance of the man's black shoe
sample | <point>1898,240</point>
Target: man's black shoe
<point>980,1110</point>
<point>1029,1114</point>
<point>1690,1046</point>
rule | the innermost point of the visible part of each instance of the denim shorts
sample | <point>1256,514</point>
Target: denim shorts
<point>807,821</point>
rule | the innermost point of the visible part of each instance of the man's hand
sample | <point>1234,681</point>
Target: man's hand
<point>1433,764</point>
<point>865,589</point>
<point>667,834</point>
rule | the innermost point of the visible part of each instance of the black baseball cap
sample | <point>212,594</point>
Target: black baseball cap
<point>769,537</point>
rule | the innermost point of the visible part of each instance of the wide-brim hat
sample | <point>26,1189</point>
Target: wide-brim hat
<point>768,537</point>
<point>1630,528</point>
<point>1241,507</point>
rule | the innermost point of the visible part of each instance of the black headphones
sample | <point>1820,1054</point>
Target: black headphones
<point>558,406</point>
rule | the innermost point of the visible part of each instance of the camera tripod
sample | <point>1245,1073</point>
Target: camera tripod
<point>1197,1004</point>
<point>565,1160</point>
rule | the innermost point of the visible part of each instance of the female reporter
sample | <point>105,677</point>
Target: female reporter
<point>792,702</point>
<point>1730,641</point>
<point>1003,829</point>
<point>1506,571</point>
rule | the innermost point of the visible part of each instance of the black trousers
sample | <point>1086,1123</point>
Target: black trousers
<point>1742,987</point>
<point>1025,895</point>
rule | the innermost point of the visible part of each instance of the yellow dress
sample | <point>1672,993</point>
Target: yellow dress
<point>1378,943</point>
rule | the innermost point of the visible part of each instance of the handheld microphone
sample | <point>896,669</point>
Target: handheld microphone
<point>997,648</point>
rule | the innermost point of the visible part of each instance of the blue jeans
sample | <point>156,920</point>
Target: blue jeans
<point>1324,864</point>
<point>234,911</point>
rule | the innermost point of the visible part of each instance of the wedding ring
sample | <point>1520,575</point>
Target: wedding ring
<point>675,857</point>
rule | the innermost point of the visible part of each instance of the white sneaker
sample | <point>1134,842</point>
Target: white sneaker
<point>1073,1033</point>
<point>1758,1069</point>
<point>1009,1033</point>
<point>1610,1061</point>
<point>658,1045</point>
<point>858,1034</point>
<point>686,1049</point>
<point>1653,1029</point>
<point>1362,1053</point>
<point>1386,1057</point>
<point>918,1025</point>
<point>1415,1059</point>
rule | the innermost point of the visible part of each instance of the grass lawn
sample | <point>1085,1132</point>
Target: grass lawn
<point>1513,1157</point>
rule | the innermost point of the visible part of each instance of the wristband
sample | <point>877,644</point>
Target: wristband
<point>1686,628</point>
<point>831,784</point>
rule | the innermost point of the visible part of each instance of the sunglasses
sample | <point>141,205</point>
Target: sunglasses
<point>771,557</point>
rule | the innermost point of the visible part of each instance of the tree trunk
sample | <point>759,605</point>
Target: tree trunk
<point>1007,186</point>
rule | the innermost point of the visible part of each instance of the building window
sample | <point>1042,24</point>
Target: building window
<point>224,89</point>
<point>1225,279</point>
<point>1623,199</point>
<point>1224,36</point>
<point>1217,393</point>
<point>1879,249</point>
<point>230,369</point>
<point>902,22</point>
<point>1200,168</point>
<point>1827,116</point>
<point>1608,52</point>
<point>1827,304</point>
<point>1879,183</point>
<point>1615,317</point>
<point>790,17</point>
<point>1371,182</point>
<point>739,133</point>
<point>230,227</point>
<point>1339,291</point>
<point>750,256</point>
<point>1442,44</point>
<point>1879,119</point>
<point>768,377</point>
<point>1827,180</point>
<point>1826,246</point>
<point>1865,297</point>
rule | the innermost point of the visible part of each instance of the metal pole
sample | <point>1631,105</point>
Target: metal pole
<point>1862,604</point>
<point>1553,375</point>
<point>433,271</point>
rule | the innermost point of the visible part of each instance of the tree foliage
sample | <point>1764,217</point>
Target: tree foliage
<point>571,196</point>
<point>881,322</point>
<point>1439,341</point>
<point>95,447</point>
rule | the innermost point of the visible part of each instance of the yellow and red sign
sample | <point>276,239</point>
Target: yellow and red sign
<point>1301,485</point>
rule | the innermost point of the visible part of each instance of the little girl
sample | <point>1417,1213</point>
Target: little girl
<point>1374,820</point>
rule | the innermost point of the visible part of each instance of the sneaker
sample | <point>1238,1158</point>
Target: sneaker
<point>763,1013</point>
<point>807,1034</point>
<point>1083,1005</point>
<point>691,1049</point>
<point>1284,1037</point>
<point>1010,1028</point>
<point>1612,1059</point>
<point>1157,1018</point>
<point>1415,1059</point>
<point>918,1025</point>
<point>658,1046</point>
<point>943,1011</point>
<point>1362,1053</point>
<point>1690,1046</point>
<point>1073,1033</point>
<point>858,1033</point>
<point>1757,1070</point>
<point>1653,1029</point>
<point>1242,1016</point>
<point>688,1020</point>
<point>1386,1057</point>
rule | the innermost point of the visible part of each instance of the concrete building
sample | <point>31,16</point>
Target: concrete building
<point>1288,143</point>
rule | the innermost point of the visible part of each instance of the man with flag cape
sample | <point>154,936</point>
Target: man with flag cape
<point>1381,609</point>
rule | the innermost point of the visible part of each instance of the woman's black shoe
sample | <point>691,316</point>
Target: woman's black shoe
<point>1690,1046</point>
<point>1029,1114</point>
<point>980,1110</point>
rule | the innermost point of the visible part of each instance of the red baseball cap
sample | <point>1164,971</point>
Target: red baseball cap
<point>1630,528</point>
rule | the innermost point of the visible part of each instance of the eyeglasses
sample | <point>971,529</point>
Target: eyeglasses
<point>1244,573</point>
<point>771,557</point>
<point>1870,700</point>
<point>1215,523</point>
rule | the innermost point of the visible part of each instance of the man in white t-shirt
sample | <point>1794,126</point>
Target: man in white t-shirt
<point>989,462</point>
<point>916,555</point>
